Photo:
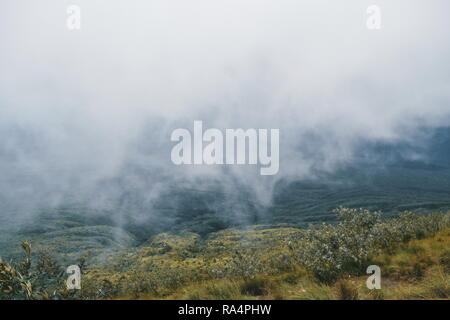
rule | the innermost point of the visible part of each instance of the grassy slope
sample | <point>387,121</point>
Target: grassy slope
<point>413,271</point>
<point>263,262</point>
<point>416,270</point>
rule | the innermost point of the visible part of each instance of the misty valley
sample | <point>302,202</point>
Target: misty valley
<point>188,225</point>
<point>224,150</point>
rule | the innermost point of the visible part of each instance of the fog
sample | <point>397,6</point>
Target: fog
<point>81,108</point>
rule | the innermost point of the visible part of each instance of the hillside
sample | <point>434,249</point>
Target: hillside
<point>381,176</point>
<point>324,262</point>
<point>417,270</point>
<point>73,230</point>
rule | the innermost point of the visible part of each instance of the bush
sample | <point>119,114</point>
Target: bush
<point>444,260</point>
<point>333,251</point>
<point>257,286</point>
<point>19,281</point>
<point>346,290</point>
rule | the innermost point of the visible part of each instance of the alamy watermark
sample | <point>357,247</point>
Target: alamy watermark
<point>73,21</point>
<point>74,280</point>
<point>234,147</point>
<point>374,20</point>
<point>374,281</point>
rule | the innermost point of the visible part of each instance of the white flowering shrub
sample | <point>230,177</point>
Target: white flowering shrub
<point>345,247</point>
<point>333,251</point>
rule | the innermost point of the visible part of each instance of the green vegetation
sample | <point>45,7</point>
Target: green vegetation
<point>390,189</point>
<point>326,261</point>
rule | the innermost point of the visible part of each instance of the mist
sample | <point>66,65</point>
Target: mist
<point>86,115</point>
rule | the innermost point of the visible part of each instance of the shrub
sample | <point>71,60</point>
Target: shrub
<point>332,251</point>
<point>444,260</point>
<point>257,286</point>
<point>346,290</point>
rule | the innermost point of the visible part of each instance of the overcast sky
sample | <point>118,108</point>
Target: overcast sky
<point>74,105</point>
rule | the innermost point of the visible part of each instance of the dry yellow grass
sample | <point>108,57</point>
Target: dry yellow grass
<point>415,270</point>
